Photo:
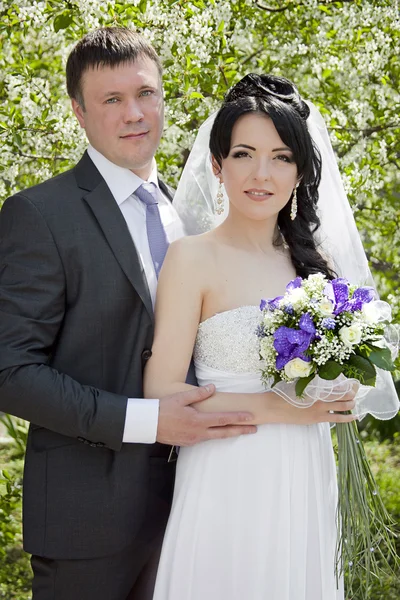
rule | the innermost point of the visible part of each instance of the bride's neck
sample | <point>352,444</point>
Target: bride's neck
<point>249,234</point>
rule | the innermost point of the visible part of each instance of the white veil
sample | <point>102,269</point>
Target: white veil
<point>338,235</point>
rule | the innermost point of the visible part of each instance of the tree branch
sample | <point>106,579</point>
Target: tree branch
<point>271,9</point>
<point>383,267</point>
<point>367,131</point>
<point>248,58</point>
<point>34,157</point>
<point>223,75</point>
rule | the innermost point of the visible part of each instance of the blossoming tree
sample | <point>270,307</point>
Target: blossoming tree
<point>342,55</point>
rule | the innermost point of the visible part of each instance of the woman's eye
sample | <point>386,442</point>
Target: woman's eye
<point>146,93</point>
<point>240,154</point>
<point>284,158</point>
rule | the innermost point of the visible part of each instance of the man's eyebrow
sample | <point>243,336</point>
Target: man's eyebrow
<point>145,86</point>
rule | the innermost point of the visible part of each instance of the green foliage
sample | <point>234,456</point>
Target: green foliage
<point>302,383</point>
<point>342,55</point>
<point>330,370</point>
<point>15,571</point>
<point>385,461</point>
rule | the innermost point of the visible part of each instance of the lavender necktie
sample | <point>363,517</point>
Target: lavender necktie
<point>158,243</point>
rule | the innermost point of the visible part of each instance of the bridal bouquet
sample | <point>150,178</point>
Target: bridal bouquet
<point>317,341</point>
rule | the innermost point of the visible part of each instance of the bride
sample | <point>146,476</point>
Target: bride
<point>253,517</point>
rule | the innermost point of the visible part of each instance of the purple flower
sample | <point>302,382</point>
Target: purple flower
<point>273,303</point>
<point>260,332</point>
<point>307,324</point>
<point>295,283</point>
<point>337,290</point>
<point>361,296</point>
<point>328,323</point>
<point>293,343</point>
<point>270,304</point>
<point>289,309</point>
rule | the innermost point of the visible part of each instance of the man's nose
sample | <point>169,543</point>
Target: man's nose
<point>132,112</point>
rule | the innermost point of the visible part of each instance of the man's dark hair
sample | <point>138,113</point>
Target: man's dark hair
<point>105,47</point>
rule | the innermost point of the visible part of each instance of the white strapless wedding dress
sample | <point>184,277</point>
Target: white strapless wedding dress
<point>253,517</point>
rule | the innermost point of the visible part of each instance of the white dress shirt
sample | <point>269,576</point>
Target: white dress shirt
<point>142,414</point>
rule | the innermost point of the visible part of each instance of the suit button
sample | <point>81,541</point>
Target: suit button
<point>146,354</point>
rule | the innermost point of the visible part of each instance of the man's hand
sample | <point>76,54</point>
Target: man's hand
<point>180,424</point>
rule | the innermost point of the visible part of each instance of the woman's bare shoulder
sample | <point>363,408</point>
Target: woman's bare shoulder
<point>193,247</point>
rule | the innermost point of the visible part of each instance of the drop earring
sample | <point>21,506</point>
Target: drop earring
<point>219,201</point>
<point>293,208</point>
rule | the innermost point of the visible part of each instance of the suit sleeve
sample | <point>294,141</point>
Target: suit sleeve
<point>32,308</point>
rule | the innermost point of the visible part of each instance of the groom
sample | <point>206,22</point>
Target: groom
<point>79,259</point>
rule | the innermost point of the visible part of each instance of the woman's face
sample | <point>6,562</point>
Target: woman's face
<point>259,173</point>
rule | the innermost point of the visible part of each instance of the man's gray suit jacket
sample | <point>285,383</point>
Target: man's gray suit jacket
<point>76,327</point>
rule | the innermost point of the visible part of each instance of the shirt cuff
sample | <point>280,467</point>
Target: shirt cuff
<point>141,421</point>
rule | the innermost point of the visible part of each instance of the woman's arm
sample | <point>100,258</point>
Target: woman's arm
<point>177,315</point>
<point>183,283</point>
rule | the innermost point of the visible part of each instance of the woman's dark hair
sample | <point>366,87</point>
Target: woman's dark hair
<point>278,98</point>
<point>105,47</point>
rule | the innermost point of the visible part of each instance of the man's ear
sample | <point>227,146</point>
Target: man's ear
<point>79,112</point>
<point>216,169</point>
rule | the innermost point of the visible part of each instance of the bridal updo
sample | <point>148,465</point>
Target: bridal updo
<point>279,99</point>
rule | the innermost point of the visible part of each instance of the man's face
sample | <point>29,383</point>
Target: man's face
<point>124,112</point>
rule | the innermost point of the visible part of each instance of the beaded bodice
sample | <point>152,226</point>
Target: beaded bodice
<point>228,341</point>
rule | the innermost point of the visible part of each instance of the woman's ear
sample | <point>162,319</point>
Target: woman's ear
<point>216,169</point>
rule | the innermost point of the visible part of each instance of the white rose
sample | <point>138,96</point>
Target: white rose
<point>351,336</point>
<point>325,307</point>
<point>296,296</point>
<point>297,367</point>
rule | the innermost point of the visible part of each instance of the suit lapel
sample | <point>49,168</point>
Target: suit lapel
<point>114,227</point>
<point>166,190</point>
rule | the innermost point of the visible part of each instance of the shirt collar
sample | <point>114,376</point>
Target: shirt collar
<point>122,182</point>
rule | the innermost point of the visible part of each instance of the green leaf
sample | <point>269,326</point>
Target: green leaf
<point>302,383</point>
<point>196,95</point>
<point>362,369</point>
<point>382,358</point>
<point>63,21</point>
<point>143,6</point>
<point>277,379</point>
<point>330,370</point>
